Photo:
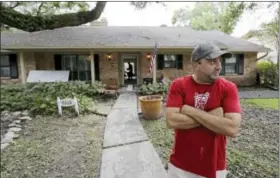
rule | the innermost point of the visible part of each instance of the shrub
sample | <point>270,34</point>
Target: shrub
<point>269,73</point>
<point>41,98</point>
<point>151,89</point>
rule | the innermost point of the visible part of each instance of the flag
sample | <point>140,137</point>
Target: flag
<point>153,60</point>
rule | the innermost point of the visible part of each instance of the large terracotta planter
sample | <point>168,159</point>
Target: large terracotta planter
<point>151,106</point>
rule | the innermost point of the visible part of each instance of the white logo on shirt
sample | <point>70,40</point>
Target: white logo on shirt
<point>200,100</point>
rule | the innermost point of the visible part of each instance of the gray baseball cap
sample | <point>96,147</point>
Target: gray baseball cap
<point>208,51</point>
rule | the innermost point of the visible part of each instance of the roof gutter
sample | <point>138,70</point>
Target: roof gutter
<point>262,56</point>
<point>114,48</point>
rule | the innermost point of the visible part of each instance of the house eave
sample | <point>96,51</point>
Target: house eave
<point>119,48</point>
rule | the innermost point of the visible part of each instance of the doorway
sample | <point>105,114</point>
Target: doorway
<point>130,69</point>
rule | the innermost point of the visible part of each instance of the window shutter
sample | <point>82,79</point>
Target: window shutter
<point>96,67</point>
<point>13,65</point>
<point>223,71</point>
<point>179,61</point>
<point>160,61</point>
<point>57,62</point>
<point>240,64</point>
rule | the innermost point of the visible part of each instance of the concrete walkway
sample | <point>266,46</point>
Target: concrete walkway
<point>127,151</point>
<point>258,94</point>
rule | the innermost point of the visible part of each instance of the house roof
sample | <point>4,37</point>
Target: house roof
<point>4,51</point>
<point>102,37</point>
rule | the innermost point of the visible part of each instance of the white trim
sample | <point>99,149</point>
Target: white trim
<point>22,68</point>
<point>92,67</point>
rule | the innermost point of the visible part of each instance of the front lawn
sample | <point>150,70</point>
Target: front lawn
<point>57,147</point>
<point>253,154</point>
<point>265,102</point>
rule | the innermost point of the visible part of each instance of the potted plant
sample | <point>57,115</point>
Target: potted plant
<point>151,100</point>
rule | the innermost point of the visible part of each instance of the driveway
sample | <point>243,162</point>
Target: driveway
<point>259,94</point>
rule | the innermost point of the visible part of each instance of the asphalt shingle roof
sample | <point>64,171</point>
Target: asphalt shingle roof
<point>102,37</point>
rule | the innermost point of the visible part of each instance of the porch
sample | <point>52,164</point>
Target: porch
<point>111,66</point>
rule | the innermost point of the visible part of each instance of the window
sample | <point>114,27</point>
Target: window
<point>233,65</point>
<point>230,65</point>
<point>78,66</point>
<point>169,61</point>
<point>9,65</point>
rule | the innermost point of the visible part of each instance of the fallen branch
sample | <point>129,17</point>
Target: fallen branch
<point>98,113</point>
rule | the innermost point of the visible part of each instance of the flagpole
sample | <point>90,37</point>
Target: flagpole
<point>154,65</point>
<point>154,72</point>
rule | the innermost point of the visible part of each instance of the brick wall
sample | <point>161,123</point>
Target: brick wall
<point>109,69</point>
<point>248,79</point>
<point>109,73</point>
<point>44,61</point>
<point>171,73</point>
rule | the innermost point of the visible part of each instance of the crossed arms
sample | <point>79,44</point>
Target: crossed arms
<point>215,120</point>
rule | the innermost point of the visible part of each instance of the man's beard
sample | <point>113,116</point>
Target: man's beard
<point>211,78</point>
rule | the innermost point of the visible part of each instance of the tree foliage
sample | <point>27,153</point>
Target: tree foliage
<point>143,4</point>
<point>221,16</point>
<point>33,16</point>
<point>269,31</point>
<point>36,8</point>
<point>36,16</point>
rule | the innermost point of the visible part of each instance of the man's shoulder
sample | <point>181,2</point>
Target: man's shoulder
<point>181,80</point>
<point>226,83</point>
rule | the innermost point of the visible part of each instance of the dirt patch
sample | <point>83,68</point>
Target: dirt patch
<point>253,154</point>
<point>57,147</point>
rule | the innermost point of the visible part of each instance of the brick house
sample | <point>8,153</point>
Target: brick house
<point>102,53</point>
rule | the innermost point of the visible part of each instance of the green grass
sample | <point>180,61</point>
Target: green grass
<point>272,103</point>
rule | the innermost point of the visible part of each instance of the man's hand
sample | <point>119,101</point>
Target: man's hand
<point>177,120</point>
<point>226,124</point>
<point>217,112</point>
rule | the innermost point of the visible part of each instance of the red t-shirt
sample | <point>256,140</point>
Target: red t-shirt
<point>200,150</point>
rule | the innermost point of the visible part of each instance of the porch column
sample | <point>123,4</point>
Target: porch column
<point>155,71</point>
<point>92,67</point>
<point>22,68</point>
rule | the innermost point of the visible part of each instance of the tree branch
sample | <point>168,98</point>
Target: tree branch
<point>39,8</point>
<point>31,23</point>
<point>17,4</point>
<point>139,5</point>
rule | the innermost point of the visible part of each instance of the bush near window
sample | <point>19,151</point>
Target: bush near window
<point>40,98</point>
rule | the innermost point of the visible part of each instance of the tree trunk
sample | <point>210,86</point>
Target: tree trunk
<point>278,36</point>
<point>30,23</point>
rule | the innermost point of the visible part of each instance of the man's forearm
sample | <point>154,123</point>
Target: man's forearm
<point>217,124</point>
<point>181,121</point>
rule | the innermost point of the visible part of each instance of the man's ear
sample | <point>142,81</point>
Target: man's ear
<point>194,65</point>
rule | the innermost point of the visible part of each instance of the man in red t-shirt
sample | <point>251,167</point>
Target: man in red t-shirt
<point>203,109</point>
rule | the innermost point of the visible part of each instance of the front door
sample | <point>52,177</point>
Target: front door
<point>130,69</point>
